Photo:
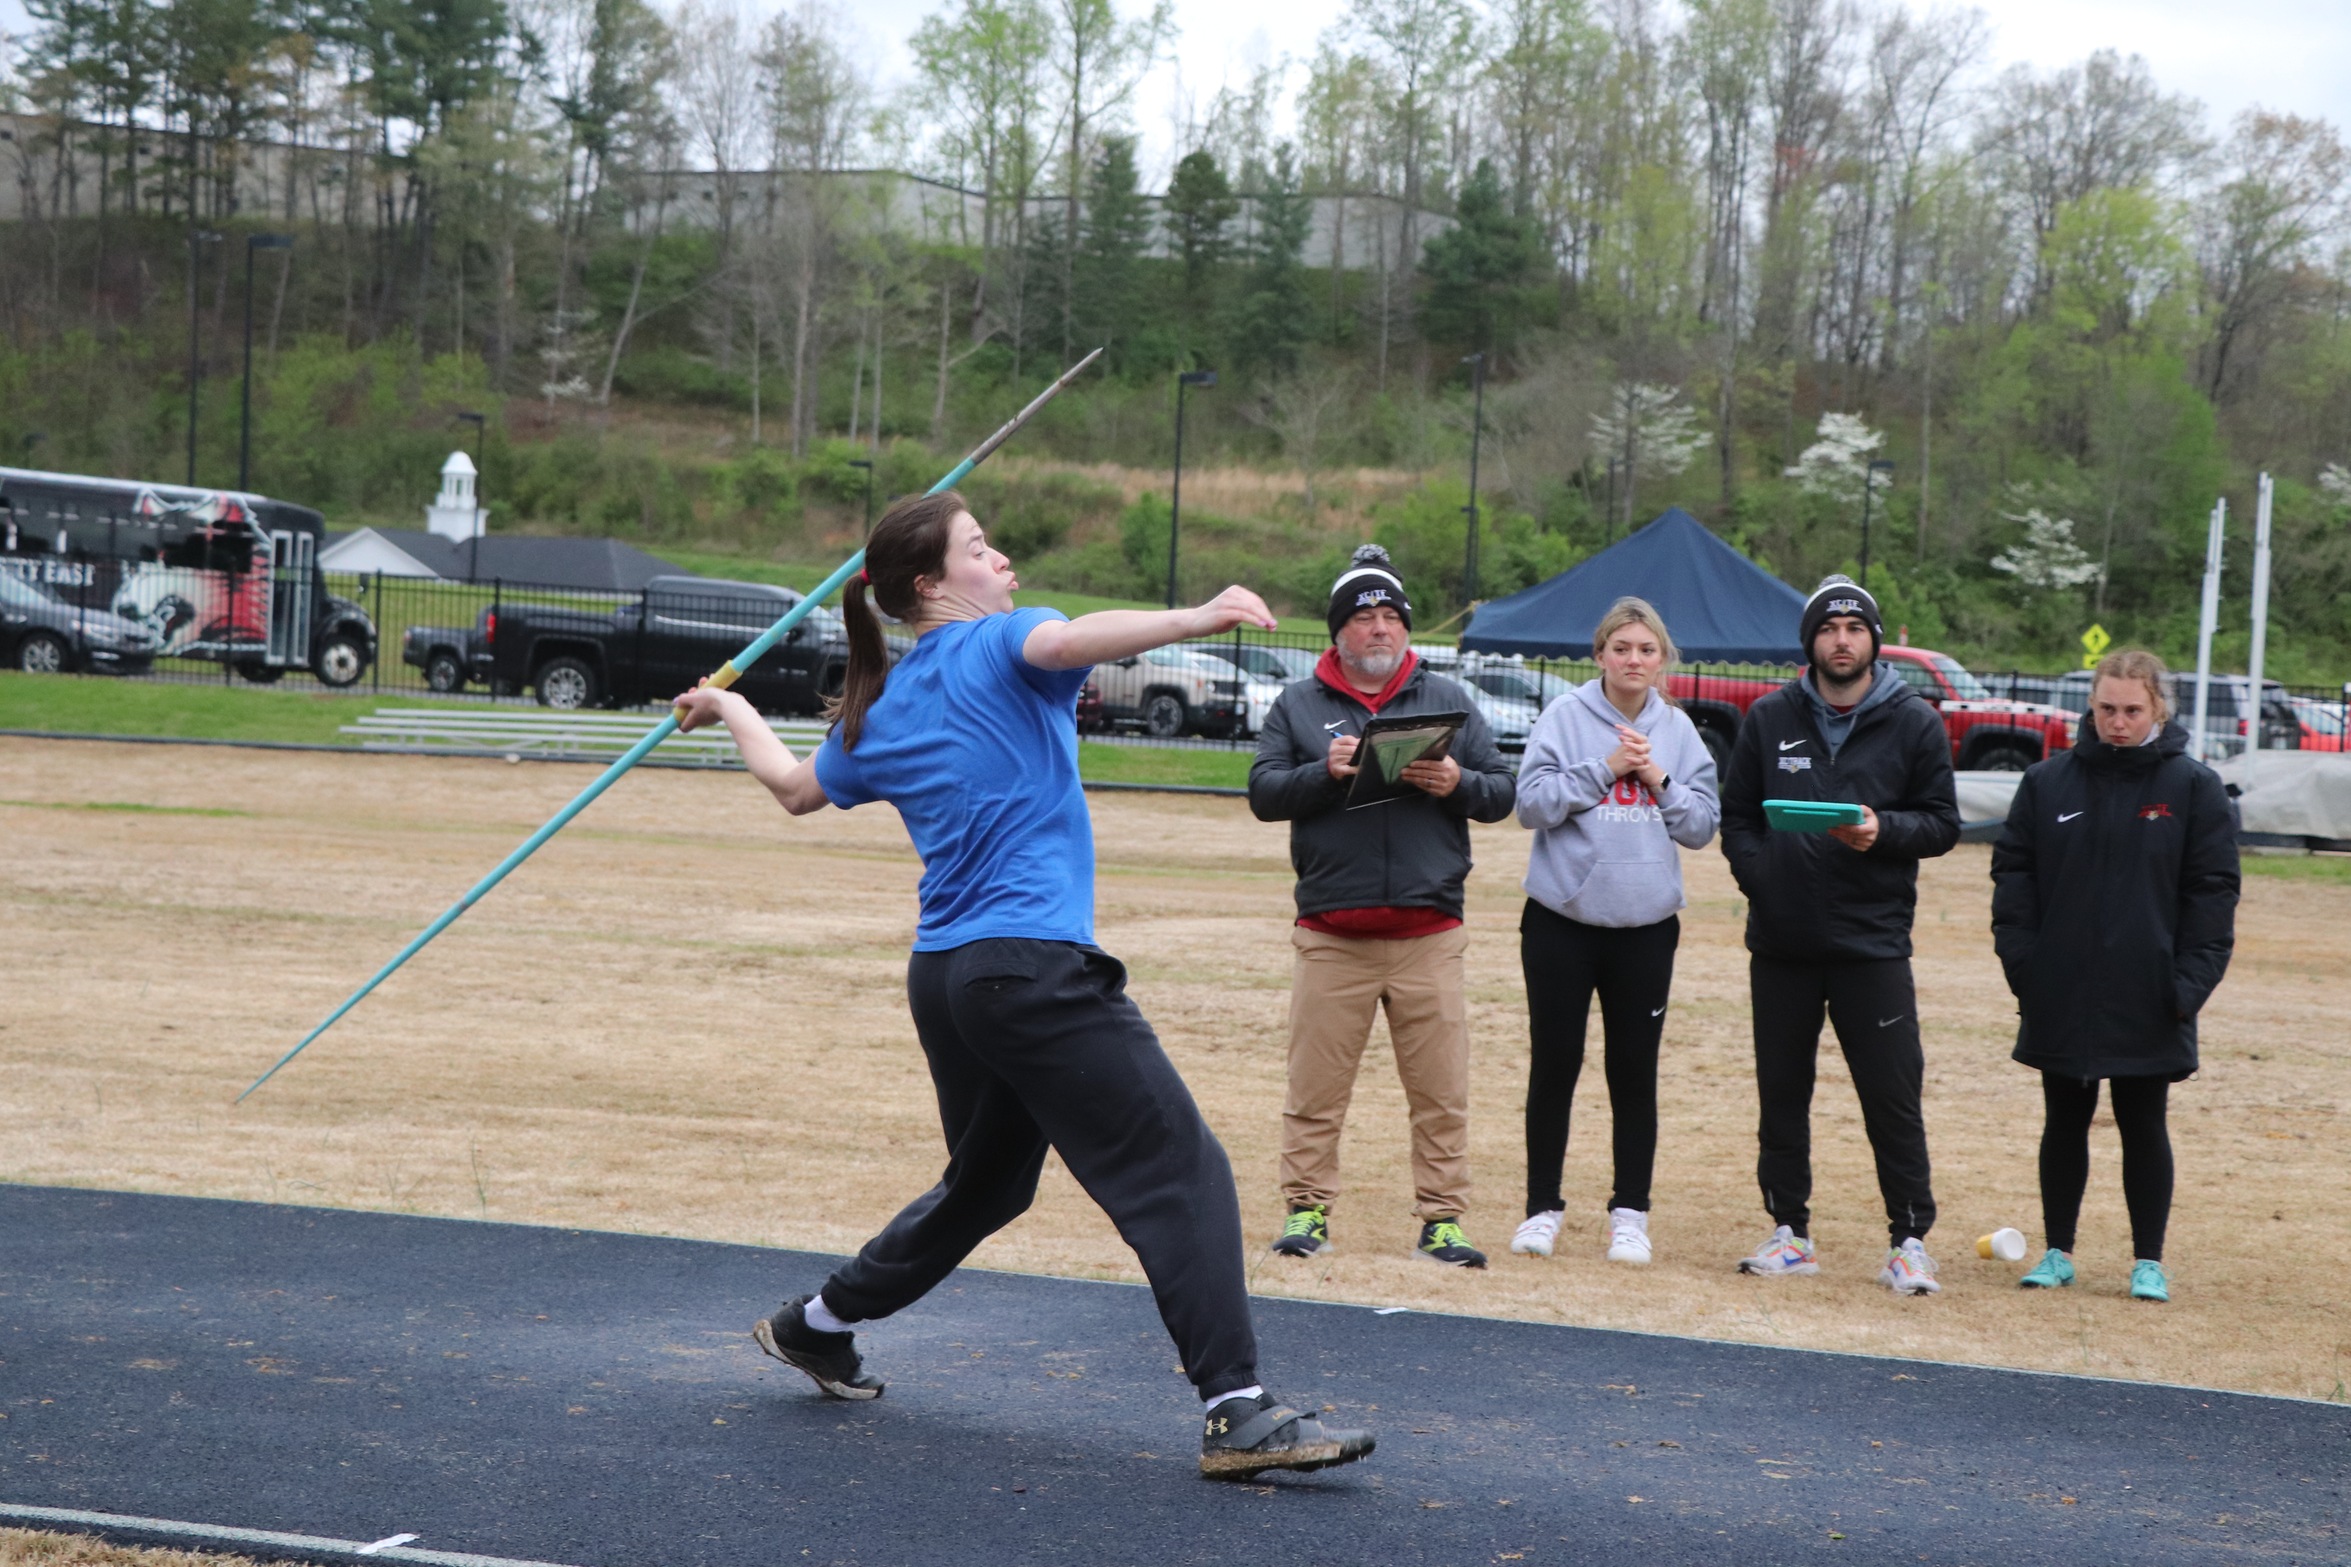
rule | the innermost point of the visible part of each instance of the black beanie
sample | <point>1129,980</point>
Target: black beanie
<point>1841,595</point>
<point>1370,580</point>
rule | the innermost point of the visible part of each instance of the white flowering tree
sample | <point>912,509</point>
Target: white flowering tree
<point>1646,428</point>
<point>2334,482</point>
<point>1838,463</point>
<point>2047,556</point>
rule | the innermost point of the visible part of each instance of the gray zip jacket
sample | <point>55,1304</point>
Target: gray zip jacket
<point>1604,847</point>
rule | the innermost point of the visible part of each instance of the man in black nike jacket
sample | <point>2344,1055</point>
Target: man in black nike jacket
<point>1829,915</point>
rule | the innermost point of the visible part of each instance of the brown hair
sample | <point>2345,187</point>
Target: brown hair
<point>2138,664</point>
<point>1631,611</point>
<point>908,544</point>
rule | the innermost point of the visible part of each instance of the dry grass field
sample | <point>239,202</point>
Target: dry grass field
<point>685,1016</point>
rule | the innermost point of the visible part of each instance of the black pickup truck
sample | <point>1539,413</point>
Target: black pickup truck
<point>678,630</point>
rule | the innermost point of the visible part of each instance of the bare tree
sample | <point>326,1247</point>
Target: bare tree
<point>2283,196</point>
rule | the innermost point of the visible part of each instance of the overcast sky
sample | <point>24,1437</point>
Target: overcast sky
<point>2292,55</point>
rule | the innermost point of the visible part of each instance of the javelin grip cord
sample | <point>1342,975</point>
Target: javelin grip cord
<point>727,674</point>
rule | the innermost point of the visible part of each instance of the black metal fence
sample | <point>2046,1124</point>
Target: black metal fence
<point>381,635</point>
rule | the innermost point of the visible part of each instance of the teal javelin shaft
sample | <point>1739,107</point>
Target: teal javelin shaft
<point>727,675</point>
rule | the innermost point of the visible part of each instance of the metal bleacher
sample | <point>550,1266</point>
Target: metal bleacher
<point>575,736</point>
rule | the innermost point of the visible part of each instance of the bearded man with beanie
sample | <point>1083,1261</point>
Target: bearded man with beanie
<point>1379,907</point>
<point>1829,916</point>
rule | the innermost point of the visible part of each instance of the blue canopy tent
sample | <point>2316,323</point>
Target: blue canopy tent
<point>1721,607</point>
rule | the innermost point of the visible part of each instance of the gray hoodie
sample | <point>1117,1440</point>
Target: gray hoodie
<point>1604,848</point>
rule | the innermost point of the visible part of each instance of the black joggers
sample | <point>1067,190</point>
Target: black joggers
<point>1874,1009</point>
<point>1035,1044</point>
<point>1631,969</point>
<point>2139,1115</point>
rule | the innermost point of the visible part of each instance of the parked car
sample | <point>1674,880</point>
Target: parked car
<point>41,634</point>
<point>1172,691</point>
<point>2323,722</point>
<point>451,656</point>
<point>1267,671</point>
<point>2227,721</point>
<point>1090,719</point>
<point>678,630</point>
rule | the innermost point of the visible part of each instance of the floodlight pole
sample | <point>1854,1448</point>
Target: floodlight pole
<point>473,537</point>
<point>1477,424</point>
<point>2260,613</point>
<point>2207,620</point>
<point>867,464</point>
<point>196,238</point>
<point>1175,503</point>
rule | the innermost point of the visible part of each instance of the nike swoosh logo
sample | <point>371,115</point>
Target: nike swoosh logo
<point>1660,1012</point>
<point>1889,1022</point>
<point>2067,816</point>
<point>1790,745</point>
<point>1341,724</point>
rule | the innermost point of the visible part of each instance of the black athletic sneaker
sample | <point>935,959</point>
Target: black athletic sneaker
<point>1307,1232</point>
<point>1244,1437</point>
<point>1441,1240</point>
<point>828,1359</point>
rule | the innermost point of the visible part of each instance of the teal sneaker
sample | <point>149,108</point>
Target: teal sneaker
<point>1306,1232</point>
<point>1441,1240</point>
<point>2149,1281</point>
<point>2053,1272</point>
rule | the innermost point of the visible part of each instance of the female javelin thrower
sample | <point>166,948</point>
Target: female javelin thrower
<point>1031,1038</point>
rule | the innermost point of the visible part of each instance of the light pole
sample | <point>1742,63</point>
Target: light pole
<point>1175,506</point>
<point>253,242</point>
<point>1477,424</point>
<point>473,538</point>
<point>867,464</point>
<point>1869,485</point>
<point>196,237</point>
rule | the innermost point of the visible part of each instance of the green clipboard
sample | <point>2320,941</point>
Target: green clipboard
<point>1810,815</point>
<point>1389,745</point>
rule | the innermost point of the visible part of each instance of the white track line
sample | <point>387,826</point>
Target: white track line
<point>218,1534</point>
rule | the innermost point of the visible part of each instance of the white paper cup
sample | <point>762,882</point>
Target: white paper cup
<point>2003,1245</point>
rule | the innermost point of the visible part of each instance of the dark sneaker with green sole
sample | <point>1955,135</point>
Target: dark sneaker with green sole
<point>1307,1232</point>
<point>1244,1437</point>
<point>1441,1240</point>
<point>827,1359</point>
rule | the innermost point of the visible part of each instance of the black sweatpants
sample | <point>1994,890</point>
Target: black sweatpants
<point>1631,968</point>
<point>2139,1106</point>
<point>1875,1012</point>
<point>1035,1044</point>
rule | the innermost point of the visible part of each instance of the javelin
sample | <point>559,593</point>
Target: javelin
<point>727,674</point>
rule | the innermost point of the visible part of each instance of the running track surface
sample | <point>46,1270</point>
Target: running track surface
<point>595,1399</point>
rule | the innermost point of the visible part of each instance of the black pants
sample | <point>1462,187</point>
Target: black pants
<point>2139,1105</point>
<point>1035,1044</point>
<point>1875,1012</point>
<point>1632,970</point>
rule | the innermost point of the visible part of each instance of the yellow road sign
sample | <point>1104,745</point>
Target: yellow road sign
<point>2095,642</point>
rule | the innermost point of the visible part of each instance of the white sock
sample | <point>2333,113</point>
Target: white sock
<point>820,1316</point>
<point>1214,1399</point>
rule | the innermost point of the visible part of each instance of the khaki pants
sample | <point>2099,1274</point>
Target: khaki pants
<point>1338,984</point>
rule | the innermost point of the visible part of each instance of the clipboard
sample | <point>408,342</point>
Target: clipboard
<point>1810,815</point>
<point>1389,745</point>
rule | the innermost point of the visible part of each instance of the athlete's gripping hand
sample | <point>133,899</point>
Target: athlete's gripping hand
<point>1235,606</point>
<point>700,707</point>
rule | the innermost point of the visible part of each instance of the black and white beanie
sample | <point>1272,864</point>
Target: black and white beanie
<point>1841,595</point>
<point>1369,581</point>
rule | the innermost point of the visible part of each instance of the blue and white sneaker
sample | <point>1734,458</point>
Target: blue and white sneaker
<point>1784,1254</point>
<point>1909,1270</point>
<point>2053,1272</point>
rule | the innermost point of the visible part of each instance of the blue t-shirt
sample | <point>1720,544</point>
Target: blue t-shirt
<point>978,750</point>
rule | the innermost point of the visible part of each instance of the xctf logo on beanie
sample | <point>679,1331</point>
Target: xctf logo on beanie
<point>1843,607</point>
<point>2156,812</point>
<point>1371,597</point>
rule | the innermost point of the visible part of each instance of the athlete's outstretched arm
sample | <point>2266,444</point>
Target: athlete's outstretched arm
<point>1119,633</point>
<point>790,780</point>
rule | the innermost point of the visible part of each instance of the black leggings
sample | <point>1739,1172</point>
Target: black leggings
<point>1632,969</point>
<point>2146,1156</point>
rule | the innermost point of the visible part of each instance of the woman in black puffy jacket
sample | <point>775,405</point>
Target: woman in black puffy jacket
<point>2114,910</point>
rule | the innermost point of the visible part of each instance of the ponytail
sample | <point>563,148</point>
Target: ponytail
<point>869,665</point>
<point>908,544</point>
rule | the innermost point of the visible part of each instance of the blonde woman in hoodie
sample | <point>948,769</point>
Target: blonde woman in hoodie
<point>1615,777</point>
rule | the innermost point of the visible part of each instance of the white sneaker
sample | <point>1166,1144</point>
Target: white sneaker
<point>1785,1254</point>
<point>1909,1270</point>
<point>1628,1235</point>
<point>1538,1235</point>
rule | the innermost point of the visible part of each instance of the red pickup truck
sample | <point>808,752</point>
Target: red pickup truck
<point>1988,733</point>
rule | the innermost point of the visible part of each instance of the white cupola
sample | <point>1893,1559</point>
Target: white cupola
<point>454,514</point>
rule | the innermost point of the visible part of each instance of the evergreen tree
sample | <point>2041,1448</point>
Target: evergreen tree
<point>1483,272</point>
<point>1272,320</point>
<point>1105,283</point>
<point>1199,213</point>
